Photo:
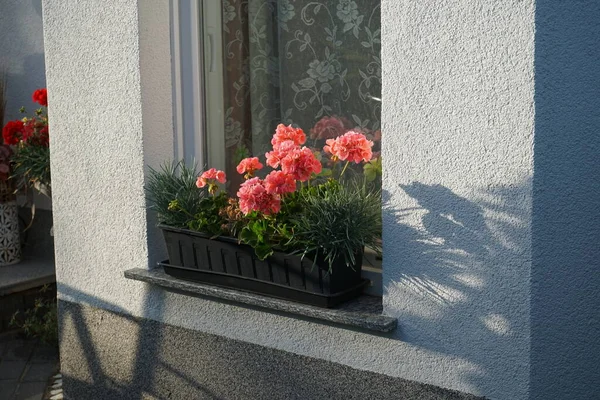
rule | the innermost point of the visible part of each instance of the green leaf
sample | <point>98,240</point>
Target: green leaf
<point>263,251</point>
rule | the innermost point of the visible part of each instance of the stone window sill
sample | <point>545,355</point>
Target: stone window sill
<point>363,313</point>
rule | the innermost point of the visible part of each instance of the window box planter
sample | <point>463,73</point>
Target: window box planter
<point>224,262</point>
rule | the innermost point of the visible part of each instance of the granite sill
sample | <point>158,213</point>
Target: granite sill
<point>363,313</point>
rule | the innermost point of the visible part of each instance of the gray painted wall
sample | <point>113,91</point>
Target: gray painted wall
<point>565,317</point>
<point>459,116</point>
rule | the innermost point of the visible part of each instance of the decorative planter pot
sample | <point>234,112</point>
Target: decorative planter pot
<point>222,261</point>
<point>10,237</point>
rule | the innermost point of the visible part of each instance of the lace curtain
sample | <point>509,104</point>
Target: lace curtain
<point>296,62</point>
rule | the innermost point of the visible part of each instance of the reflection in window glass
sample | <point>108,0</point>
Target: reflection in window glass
<point>314,64</point>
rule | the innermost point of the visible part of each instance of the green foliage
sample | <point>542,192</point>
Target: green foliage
<point>266,234</point>
<point>171,191</point>
<point>41,321</point>
<point>32,164</point>
<point>208,218</point>
<point>373,169</point>
<point>328,218</point>
<point>338,220</point>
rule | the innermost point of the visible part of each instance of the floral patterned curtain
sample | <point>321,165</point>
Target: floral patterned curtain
<point>314,64</point>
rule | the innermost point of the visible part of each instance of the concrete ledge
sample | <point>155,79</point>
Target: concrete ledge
<point>27,274</point>
<point>363,313</point>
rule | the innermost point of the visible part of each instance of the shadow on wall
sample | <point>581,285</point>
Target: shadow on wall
<point>111,355</point>
<point>461,286</point>
<point>565,317</point>
<point>115,364</point>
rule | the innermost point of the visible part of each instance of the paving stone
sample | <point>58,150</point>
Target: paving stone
<point>30,391</point>
<point>11,370</point>
<point>7,388</point>
<point>44,354</point>
<point>39,372</point>
<point>18,350</point>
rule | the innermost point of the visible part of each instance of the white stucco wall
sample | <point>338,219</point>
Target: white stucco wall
<point>458,116</point>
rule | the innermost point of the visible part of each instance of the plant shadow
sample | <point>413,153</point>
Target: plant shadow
<point>456,274</point>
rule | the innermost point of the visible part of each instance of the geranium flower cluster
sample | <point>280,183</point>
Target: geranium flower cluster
<point>210,178</point>
<point>40,96</point>
<point>297,164</point>
<point>351,146</point>
<point>33,130</point>
<point>291,162</point>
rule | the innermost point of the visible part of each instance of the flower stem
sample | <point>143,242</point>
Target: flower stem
<point>344,170</point>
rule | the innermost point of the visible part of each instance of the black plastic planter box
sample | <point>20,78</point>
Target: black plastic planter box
<point>222,261</point>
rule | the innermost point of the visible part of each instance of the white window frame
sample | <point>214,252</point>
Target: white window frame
<point>197,57</point>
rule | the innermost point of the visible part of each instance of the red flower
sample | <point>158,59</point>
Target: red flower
<point>12,132</point>
<point>28,129</point>
<point>40,96</point>
<point>45,136</point>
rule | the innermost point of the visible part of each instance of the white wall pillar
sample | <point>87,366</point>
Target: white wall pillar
<point>458,113</point>
<point>109,88</point>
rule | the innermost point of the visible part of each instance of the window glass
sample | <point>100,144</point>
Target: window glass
<point>313,64</point>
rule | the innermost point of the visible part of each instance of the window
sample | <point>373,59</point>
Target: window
<point>243,66</point>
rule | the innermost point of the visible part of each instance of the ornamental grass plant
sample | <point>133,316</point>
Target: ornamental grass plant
<point>298,207</point>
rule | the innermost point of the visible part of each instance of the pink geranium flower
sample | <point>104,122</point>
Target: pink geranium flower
<point>210,178</point>
<point>351,146</point>
<point>248,166</point>
<point>284,133</point>
<point>301,164</point>
<point>280,151</point>
<point>254,196</point>
<point>279,182</point>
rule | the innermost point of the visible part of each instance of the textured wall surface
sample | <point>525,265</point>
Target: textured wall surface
<point>21,52</point>
<point>106,355</point>
<point>458,112</point>
<point>565,277</point>
<point>458,119</point>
